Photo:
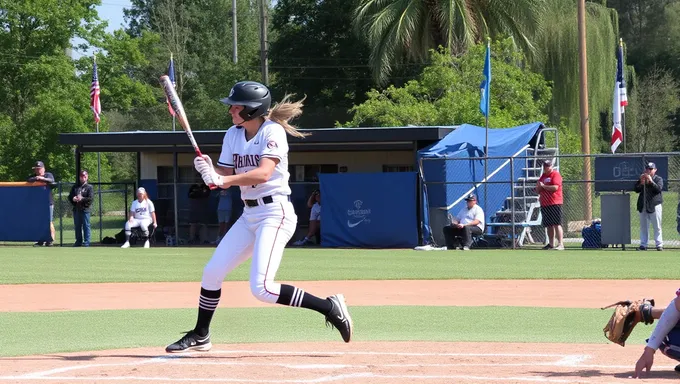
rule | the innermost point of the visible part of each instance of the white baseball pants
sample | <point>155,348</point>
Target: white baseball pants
<point>655,219</point>
<point>143,224</point>
<point>261,232</point>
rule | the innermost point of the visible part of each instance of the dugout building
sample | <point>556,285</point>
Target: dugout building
<point>162,154</point>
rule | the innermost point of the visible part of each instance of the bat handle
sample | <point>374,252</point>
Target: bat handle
<point>199,154</point>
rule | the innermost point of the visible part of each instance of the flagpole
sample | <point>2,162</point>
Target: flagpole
<point>99,174</point>
<point>175,170</point>
<point>486,122</point>
<point>623,114</point>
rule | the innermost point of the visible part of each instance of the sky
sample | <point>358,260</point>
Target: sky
<point>112,12</point>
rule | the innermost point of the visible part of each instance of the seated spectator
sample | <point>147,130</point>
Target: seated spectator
<point>468,223</point>
<point>314,202</point>
<point>199,201</point>
<point>142,215</point>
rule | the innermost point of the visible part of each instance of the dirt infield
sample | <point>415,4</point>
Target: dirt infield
<point>532,293</point>
<point>362,362</point>
<point>336,362</point>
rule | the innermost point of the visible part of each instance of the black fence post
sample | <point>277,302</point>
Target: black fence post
<point>61,216</point>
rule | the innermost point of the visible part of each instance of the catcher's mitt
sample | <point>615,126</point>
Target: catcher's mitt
<point>625,317</point>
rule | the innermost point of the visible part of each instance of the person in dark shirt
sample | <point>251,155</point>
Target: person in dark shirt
<point>199,195</point>
<point>649,204</point>
<point>41,176</point>
<point>81,198</point>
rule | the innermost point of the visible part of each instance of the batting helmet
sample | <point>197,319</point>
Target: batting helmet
<point>253,96</point>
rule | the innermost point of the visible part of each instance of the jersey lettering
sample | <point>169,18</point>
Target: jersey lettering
<point>245,155</point>
<point>246,161</point>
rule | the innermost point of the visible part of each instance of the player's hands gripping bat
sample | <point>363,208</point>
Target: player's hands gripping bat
<point>205,167</point>
<point>178,108</point>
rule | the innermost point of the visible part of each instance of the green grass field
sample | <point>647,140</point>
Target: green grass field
<point>48,332</point>
<point>23,265</point>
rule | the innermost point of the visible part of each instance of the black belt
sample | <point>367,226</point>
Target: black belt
<point>266,200</point>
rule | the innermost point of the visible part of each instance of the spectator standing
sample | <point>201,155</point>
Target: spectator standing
<point>468,223</point>
<point>314,202</point>
<point>42,176</point>
<point>649,205</point>
<point>81,198</point>
<point>199,195</point>
<point>224,208</point>
<point>549,188</point>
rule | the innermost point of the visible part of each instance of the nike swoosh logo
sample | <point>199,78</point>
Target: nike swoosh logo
<point>352,225</point>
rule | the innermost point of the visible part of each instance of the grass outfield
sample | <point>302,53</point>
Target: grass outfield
<point>23,265</point>
<point>52,332</point>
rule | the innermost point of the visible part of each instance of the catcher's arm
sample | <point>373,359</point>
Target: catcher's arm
<point>667,321</point>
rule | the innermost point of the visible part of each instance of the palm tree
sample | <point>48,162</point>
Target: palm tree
<point>398,29</point>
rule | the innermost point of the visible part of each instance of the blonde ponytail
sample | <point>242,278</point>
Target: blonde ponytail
<point>285,111</point>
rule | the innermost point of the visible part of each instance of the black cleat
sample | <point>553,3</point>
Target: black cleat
<point>190,342</point>
<point>339,317</point>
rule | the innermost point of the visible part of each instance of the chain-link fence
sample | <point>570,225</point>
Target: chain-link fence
<point>108,212</point>
<point>599,202</point>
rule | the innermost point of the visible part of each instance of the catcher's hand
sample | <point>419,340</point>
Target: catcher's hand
<point>625,317</point>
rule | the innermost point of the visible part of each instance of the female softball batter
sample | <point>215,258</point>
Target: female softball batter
<point>255,157</point>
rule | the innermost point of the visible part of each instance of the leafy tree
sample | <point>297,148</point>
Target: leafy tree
<point>557,60</point>
<point>649,116</point>
<point>199,35</point>
<point>447,92</point>
<point>398,29</point>
<point>40,90</point>
<point>316,55</point>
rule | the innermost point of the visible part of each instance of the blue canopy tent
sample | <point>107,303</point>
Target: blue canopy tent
<point>454,167</point>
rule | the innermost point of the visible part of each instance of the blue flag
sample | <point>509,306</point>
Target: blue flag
<point>485,86</point>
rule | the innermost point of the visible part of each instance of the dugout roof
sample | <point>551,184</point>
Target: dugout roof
<point>326,139</point>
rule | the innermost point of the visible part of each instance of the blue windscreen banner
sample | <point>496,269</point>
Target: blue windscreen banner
<point>369,210</point>
<point>25,212</point>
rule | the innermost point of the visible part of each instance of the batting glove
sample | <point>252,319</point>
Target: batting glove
<point>210,177</point>
<point>203,164</point>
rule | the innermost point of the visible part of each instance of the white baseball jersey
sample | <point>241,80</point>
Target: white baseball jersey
<point>469,215</point>
<point>243,156</point>
<point>142,210</point>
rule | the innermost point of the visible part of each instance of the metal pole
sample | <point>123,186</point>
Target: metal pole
<point>175,172</point>
<point>99,188</point>
<point>61,215</point>
<point>234,30</point>
<point>512,199</point>
<point>263,43</point>
<point>623,130</point>
<point>583,101</point>
<point>486,160</point>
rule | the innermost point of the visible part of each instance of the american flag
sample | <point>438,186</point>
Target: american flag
<point>95,104</point>
<point>620,101</point>
<point>171,75</point>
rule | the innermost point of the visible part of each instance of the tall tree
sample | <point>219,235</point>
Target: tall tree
<point>316,55</point>
<point>557,59</point>
<point>40,90</point>
<point>650,114</point>
<point>398,29</point>
<point>199,33</point>
<point>447,92</point>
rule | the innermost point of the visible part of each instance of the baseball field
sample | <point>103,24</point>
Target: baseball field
<point>492,316</point>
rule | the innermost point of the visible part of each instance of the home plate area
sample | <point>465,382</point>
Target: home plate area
<point>358,362</point>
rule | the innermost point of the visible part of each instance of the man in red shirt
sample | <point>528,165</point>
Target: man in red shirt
<point>549,188</point>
